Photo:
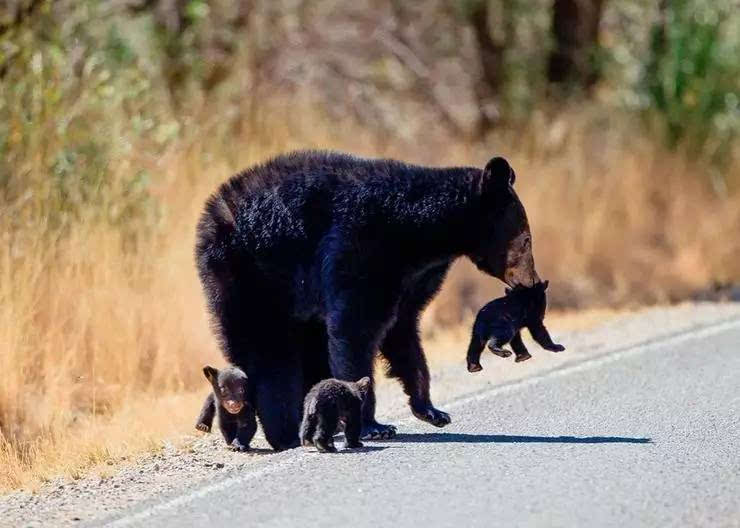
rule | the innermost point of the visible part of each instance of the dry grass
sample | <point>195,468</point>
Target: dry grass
<point>102,338</point>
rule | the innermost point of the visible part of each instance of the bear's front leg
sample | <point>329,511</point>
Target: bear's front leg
<point>354,328</point>
<point>246,429</point>
<point>227,424</point>
<point>205,418</point>
<point>542,336</point>
<point>406,361</point>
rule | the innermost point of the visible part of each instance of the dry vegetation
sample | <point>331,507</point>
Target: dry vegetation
<point>96,328</point>
<point>106,164</point>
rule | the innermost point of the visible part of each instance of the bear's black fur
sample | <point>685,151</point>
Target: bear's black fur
<point>312,261</point>
<point>230,399</point>
<point>328,402</point>
<point>501,320</point>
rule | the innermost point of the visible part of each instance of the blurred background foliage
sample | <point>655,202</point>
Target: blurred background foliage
<point>86,82</point>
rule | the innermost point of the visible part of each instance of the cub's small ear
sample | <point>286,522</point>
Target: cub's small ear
<point>498,173</point>
<point>364,384</point>
<point>545,284</point>
<point>210,373</point>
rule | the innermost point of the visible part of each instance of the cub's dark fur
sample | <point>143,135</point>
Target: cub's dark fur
<point>236,417</point>
<point>500,322</point>
<point>327,403</point>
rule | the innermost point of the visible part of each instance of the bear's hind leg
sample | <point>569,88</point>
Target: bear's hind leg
<point>493,346</point>
<point>323,438</point>
<point>308,429</point>
<point>522,354</point>
<point>473,356</point>
<point>227,425</point>
<point>353,427</point>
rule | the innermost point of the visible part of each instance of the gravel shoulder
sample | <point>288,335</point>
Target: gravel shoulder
<point>203,461</point>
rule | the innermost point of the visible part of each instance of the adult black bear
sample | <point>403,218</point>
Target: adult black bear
<point>312,261</point>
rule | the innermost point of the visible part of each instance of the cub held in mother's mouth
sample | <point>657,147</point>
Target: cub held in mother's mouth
<point>500,322</point>
<point>229,399</point>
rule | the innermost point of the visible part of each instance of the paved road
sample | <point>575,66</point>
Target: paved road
<point>643,436</point>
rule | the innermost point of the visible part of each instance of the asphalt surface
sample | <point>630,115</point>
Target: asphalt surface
<point>645,435</point>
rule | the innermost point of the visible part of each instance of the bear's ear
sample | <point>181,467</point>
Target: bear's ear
<point>210,373</point>
<point>364,384</point>
<point>545,284</point>
<point>498,174</point>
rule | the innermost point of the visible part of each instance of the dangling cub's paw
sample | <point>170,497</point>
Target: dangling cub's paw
<point>474,367</point>
<point>500,352</point>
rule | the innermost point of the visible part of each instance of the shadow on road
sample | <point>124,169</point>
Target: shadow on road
<point>365,449</point>
<point>257,451</point>
<point>462,438</point>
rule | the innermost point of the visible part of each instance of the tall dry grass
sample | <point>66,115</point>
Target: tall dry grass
<point>102,335</point>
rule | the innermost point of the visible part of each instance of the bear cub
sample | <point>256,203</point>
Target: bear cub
<point>500,322</point>
<point>329,402</point>
<point>236,417</point>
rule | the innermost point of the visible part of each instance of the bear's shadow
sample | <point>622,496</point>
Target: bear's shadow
<point>464,438</point>
<point>364,449</point>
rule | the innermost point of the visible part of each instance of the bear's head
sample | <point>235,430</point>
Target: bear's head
<point>504,243</point>
<point>532,299</point>
<point>229,387</point>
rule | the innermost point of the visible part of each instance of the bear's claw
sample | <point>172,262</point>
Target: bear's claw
<point>236,445</point>
<point>377,431</point>
<point>500,352</point>
<point>323,446</point>
<point>474,367</point>
<point>433,416</point>
<point>203,427</point>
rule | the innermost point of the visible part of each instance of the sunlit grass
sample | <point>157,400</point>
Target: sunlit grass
<point>103,329</point>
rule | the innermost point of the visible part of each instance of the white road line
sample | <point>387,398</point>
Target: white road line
<point>566,369</point>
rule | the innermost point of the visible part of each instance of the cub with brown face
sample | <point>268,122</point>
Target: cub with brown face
<point>229,399</point>
<point>500,322</point>
<point>328,402</point>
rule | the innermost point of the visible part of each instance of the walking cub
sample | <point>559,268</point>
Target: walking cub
<point>328,402</point>
<point>236,417</point>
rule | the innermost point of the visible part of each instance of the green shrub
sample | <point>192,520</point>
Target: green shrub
<point>693,75</point>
